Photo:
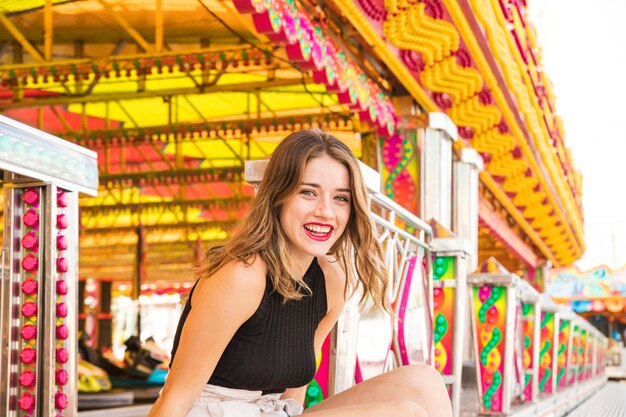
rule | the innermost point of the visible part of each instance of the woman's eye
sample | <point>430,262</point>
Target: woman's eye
<point>307,193</point>
<point>342,198</point>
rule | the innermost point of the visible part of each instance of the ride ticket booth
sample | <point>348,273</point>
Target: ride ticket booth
<point>42,177</point>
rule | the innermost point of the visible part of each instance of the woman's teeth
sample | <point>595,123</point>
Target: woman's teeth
<point>322,230</point>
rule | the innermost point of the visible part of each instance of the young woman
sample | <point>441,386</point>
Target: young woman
<point>268,297</point>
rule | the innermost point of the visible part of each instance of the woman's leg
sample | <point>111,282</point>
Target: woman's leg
<point>379,409</point>
<point>419,384</point>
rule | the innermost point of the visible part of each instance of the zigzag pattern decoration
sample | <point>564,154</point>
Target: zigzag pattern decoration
<point>493,143</point>
<point>475,115</point>
<point>500,42</point>
<point>408,27</point>
<point>442,52</point>
<point>448,77</point>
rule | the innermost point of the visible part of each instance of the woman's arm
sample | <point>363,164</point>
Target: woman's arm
<point>220,305</point>
<point>335,283</point>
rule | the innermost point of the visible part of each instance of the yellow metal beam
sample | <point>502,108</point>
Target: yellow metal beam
<point>13,30</point>
<point>127,27</point>
<point>104,97</point>
<point>158,27</point>
<point>47,30</point>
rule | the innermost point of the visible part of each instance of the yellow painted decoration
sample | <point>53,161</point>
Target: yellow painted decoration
<point>447,76</point>
<point>507,54</point>
<point>500,43</point>
<point>475,115</point>
<point>493,142</point>
<point>408,27</point>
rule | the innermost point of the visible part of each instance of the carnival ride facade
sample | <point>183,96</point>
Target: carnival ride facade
<point>597,295</point>
<point>445,100</point>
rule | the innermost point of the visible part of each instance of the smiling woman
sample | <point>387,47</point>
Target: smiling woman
<point>266,300</point>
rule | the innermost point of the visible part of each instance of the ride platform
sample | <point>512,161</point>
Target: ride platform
<point>565,401</point>
<point>610,401</point>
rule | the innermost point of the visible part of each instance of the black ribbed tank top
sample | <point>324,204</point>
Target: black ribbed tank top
<point>273,350</point>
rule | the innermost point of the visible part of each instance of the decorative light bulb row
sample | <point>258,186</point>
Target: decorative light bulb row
<point>307,46</point>
<point>135,67</point>
<point>30,295</point>
<point>62,329</point>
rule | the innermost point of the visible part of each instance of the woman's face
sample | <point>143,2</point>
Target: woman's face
<point>317,214</point>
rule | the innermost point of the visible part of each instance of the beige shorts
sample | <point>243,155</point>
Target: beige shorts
<point>217,401</point>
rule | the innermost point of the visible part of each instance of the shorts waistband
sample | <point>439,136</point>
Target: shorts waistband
<point>215,392</point>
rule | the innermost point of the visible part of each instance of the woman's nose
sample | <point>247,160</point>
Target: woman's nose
<point>324,208</point>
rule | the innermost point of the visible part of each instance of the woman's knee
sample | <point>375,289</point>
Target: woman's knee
<point>410,409</point>
<point>420,375</point>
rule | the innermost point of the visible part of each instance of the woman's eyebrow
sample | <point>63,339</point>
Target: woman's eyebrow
<point>315,185</point>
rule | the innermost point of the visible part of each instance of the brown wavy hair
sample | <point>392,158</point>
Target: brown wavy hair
<point>260,233</point>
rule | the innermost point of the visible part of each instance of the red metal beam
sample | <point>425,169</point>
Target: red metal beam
<point>502,231</point>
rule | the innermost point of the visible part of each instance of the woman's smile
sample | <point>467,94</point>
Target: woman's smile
<point>318,231</point>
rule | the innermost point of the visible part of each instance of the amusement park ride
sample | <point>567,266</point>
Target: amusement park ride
<point>165,118</point>
<point>531,356</point>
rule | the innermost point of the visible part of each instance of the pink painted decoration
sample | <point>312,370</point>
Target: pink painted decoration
<point>61,377</point>
<point>60,401</point>
<point>62,199</point>
<point>61,242</point>
<point>62,355</point>
<point>282,22</point>
<point>62,332</point>
<point>28,332</point>
<point>62,287</point>
<point>31,197</point>
<point>27,379</point>
<point>62,265</point>
<point>28,355</point>
<point>30,241</point>
<point>244,6</point>
<point>30,263</point>
<point>29,287</point>
<point>31,218</point>
<point>26,401</point>
<point>62,221</point>
<point>61,310</point>
<point>29,309</point>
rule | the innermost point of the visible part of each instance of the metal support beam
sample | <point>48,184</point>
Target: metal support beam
<point>241,128</point>
<point>158,26</point>
<point>128,95</point>
<point>199,228</point>
<point>13,30</point>
<point>169,247</point>
<point>127,27</point>
<point>48,30</point>
<point>61,118</point>
<point>504,233</point>
<point>181,176</point>
<point>228,204</point>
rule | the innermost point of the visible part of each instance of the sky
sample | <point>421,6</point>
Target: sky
<point>584,54</point>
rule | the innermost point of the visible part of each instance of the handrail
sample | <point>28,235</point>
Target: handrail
<point>403,213</point>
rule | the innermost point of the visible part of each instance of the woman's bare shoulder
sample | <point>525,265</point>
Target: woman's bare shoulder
<point>236,279</point>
